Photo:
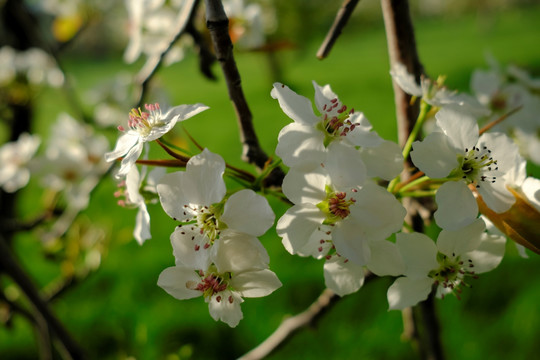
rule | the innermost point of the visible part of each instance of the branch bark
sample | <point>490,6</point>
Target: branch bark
<point>218,25</point>
<point>402,49</point>
<point>340,21</point>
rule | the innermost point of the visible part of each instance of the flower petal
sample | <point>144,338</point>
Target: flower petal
<point>435,156</point>
<point>227,309</point>
<point>405,292</point>
<point>300,146</point>
<point>343,277</point>
<point>460,127</point>
<point>461,241</point>
<point>385,259</point>
<point>419,254</point>
<point>297,107</point>
<point>125,142</point>
<point>174,281</point>
<point>297,225</point>
<point>488,255</point>
<point>255,283</point>
<point>456,206</point>
<point>236,251</point>
<point>248,212</point>
<point>384,161</point>
<point>344,166</point>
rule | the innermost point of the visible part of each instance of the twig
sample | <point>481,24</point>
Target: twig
<point>488,126</point>
<point>292,325</point>
<point>11,267</point>
<point>218,25</point>
<point>153,63</point>
<point>340,21</point>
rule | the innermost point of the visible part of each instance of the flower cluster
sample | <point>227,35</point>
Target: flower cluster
<point>217,253</point>
<point>339,213</point>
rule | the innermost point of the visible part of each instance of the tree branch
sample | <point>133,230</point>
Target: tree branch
<point>11,267</point>
<point>218,25</point>
<point>340,21</point>
<point>290,326</point>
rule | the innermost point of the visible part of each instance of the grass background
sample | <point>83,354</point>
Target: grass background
<point>119,312</point>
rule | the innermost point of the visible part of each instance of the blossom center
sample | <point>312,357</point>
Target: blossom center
<point>211,283</point>
<point>335,205</point>
<point>476,166</point>
<point>452,272</point>
<point>144,121</point>
<point>336,120</point>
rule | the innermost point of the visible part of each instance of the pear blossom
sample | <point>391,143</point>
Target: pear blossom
<point>15,162</point>
<point>145,126</point>
<point>246,24</point>
<point>351,216</point>
<point>222,288</point>
<point>456,152</point>
<point>208,218</point>
<point>434,93</point>
<point>137,190</point>
<point>305,142</point>
<point>457,257</point>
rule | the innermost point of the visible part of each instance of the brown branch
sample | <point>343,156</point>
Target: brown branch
<point>11,267</point>
<point>488,126</point>
<point>290,326</point>
<point>402,49</point>
<point>218,25</point>
<point>340,21</point>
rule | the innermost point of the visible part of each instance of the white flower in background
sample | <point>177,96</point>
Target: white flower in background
<point>153,24</point>
<point>209,220</point>
<point>144,127</point>
<point>246,26</point>
<point>457,257</point>
<point>304,143</point>
<point>351,216</point>
<point>434,93</point>
<point>14,162</point>
<point>456,152</point>
<point>34,64</point>
<point>138,190</point>
<point>222,288</point>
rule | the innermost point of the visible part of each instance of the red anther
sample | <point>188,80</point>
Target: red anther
<point>206,246</point>
<point>320,248</point>
<point>231,299</point>
<point>197,247</point>
<point>333,101</point>
<point>218,298</point>
<point>121,128</point>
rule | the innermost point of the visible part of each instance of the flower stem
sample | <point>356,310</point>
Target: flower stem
<point>412,184</point>
<point>424,109</point>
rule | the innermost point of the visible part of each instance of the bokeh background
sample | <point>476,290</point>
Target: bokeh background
<point>118,312</point>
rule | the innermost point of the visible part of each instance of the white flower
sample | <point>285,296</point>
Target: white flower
<point>247,28</point>
<point>304,143</point>
<point>221,287</point>
<point>139,190</point>
<point>196,198</point>
<point>145,127</point>
<point>435,94</point>
<point>457,153</point>
<point>351,216</point>
<point>458,256</point>
<point>14,160</point>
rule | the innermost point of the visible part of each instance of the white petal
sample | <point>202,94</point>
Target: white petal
<point>344,165</point>
<point>227,309</point>
<point>385,259</point>
<point>172,196</point>
<point>323,96</point>
<point>297,225</point>
<point>255,283</point>
<point>351,242</point>
<point>300,146</point>
<point>496,196</point>
<point>297,107</point>
<point>189,248</point>
<point>248,212</point>
<point>142,224</point>
<point>461,128</point>
<point>384,161</point>
<point>319,243</point>
<point>435,156</point>
<point>174,281</point>
<point>531,189</point>
<point>456,206</point>
<point>419,254</point>
<point>405,80</point>
<point>129,160</point>
<point>305,187</point>
<point>133,183</point>
<point>204,184</point>
<point>343,277</point>
<point>363,133</point>
<point>235,251</point>
<point>465,239</point>
<point>488,254</point>
<point>183,112</point>
<point>125,142</point>
<point>406,292</point>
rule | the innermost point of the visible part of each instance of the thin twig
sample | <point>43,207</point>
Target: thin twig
<point>153,63</point>
<point>340,21</point>
<point>488,126</point>
<point>218,25</point>
<point>292,325</point>
<point>11,267</point>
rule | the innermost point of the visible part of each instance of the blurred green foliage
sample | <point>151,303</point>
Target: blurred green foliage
<point>120,313</point>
